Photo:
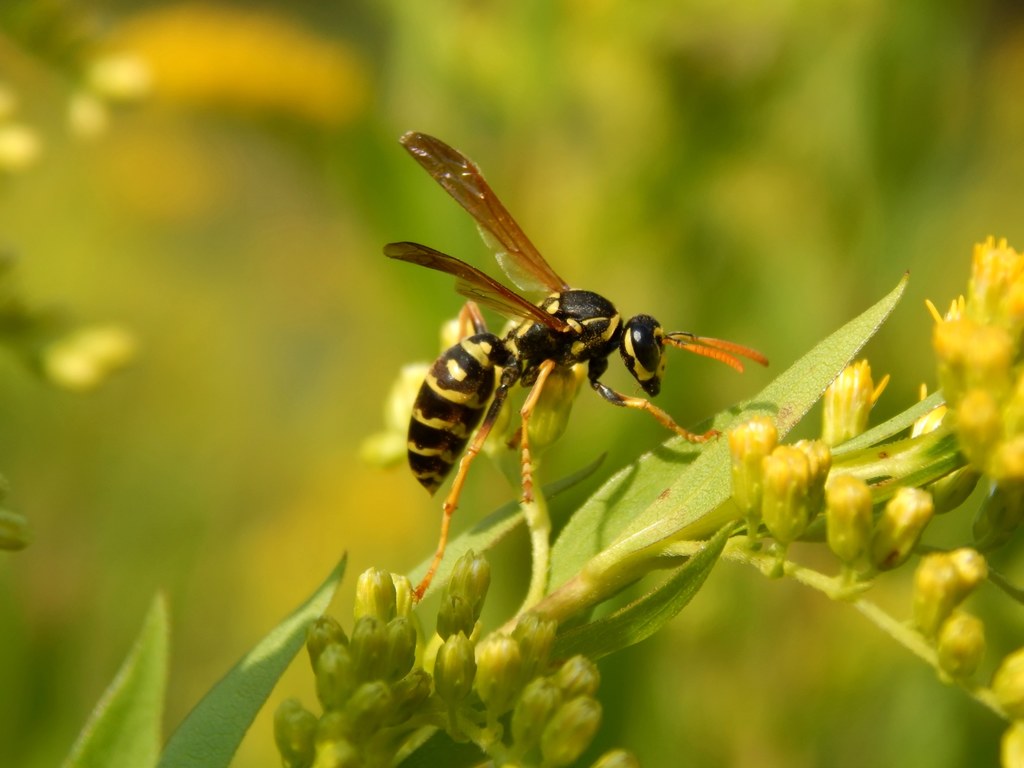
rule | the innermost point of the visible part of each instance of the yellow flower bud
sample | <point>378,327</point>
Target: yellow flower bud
<point>848,518</point>
<point>749,443</point>
<point>294,729</point>
<point>979,426</point>
<point>1011,751</point>
<point>900,527</point>
<point>961,645</point>
<point>784,506</point>
<point>499,666</point>
<point>848,402</point>
<point>375,595</point>
<point>551,413</point>
<point>1008,685</point>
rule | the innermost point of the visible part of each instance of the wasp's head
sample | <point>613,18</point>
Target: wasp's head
<point>641,347</point>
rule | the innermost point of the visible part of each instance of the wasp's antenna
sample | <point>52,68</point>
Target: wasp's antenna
<point>717,349</point>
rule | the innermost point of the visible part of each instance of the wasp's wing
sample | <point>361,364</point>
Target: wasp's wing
<point>474,284</point>
<point>461,179</point>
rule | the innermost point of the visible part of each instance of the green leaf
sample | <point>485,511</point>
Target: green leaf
<point>493,528</point>
<point>212,731</point>
<point>124,727</point>
<point>645,616</point>
<point>672,491</point>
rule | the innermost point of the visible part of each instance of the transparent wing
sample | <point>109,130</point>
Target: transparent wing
<point>461,179</point>
<point>474,284</point>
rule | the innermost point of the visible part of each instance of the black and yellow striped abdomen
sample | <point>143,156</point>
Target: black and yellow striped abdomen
<point>450,404</point>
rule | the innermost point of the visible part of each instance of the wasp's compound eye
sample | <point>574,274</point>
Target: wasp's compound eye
<point>641,349</point>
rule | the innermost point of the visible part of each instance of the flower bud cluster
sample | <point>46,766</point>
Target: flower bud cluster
<point>368,683</point>
<point>504,692</point>
<point>781,486</point>
<point>979,350</point>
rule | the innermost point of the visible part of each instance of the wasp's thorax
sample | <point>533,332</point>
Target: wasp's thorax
<point>641,346</point>
<point>595,330</point>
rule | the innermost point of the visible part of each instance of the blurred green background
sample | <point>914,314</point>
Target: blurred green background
<point>754,171</point>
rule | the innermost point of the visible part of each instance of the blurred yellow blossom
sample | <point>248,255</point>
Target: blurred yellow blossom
<point>206,55</point>
<point>86,357</point>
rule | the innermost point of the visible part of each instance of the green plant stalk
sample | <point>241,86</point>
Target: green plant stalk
<point>538,523</point>
<point>838,588</point>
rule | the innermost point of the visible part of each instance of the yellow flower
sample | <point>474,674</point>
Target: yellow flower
<point>202,55</point>
<point>995,293</point>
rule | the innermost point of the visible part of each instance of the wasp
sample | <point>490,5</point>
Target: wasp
<point>466,388</point>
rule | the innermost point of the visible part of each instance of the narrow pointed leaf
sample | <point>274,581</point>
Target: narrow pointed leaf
<point>124,728</point>
<point>212,731</point>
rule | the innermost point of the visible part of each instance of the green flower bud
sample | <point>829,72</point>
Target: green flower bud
<point>951,491</point>
<point>375,595</point>
<point>998,516</point>
<point>961,645</point>
<point>368,709</point>
<point>1008,685</point>
<point>979,426</point>
<point>14,531</point>
<point>551,413</point>
<point>536,637</point>
<point>749,443</point>
<point>410,694</point>
<point>578,676</point>
<point>537,703</point>
<point>369,648</point>
<point>335,676</point>
<point>294,728</point>
<point>401,648</point>
<point>454,669</point>
<point>470,579</point>
<point>570,731</point>
<point>900,527</point>
<point>333,748</point>
<point>1011,751</point>
<point>324,631</point>
<point>403,595</point>
<point>455,615</point>
<point>784,506</point>
<point>463,596</point>
<point>848,518</point>
<point>617,758</point>
<point>499,673</point>
<point>848,402</point>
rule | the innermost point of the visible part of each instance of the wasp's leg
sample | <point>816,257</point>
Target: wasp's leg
<point>543,371</point>
<point>471,320</point>
<point>508,378</point>
<point>617,398</point>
